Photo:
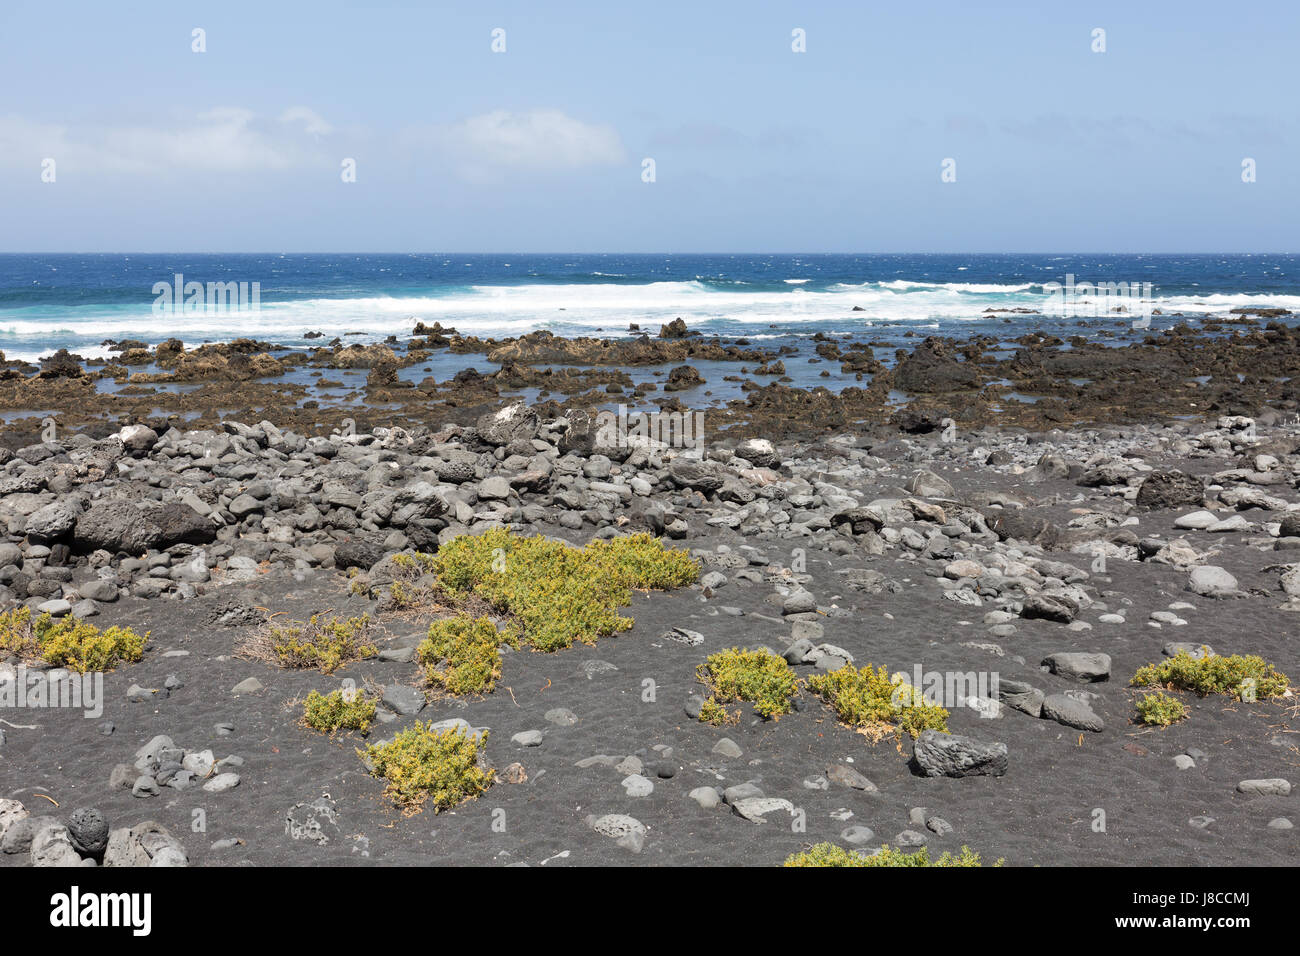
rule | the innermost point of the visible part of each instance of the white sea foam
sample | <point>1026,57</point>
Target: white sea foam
<point>500,310</point>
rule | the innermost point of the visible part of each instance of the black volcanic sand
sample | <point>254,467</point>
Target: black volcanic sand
<point>1040,813</point>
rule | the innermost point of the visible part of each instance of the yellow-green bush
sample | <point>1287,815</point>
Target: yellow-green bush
<point>325,645</point>
<point>1160,710</point>
<point>557,593</point>
<point>1213,674</point>
<point>422,765</point>
<point>461,655</point>
<point>711,712</point>
<point>828,854</point>
<point>329,713</point>
<point>759,677</point>
<point>68,641</point>
<point>876,704</point>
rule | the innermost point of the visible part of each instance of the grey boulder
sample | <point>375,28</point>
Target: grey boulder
<point>937,754</point>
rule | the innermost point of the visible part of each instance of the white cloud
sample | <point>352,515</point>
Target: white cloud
<point>309,119</point>
<point>485,148</point>
<point>224,139</point>
<point>537,139</point>
<point>22,140</point>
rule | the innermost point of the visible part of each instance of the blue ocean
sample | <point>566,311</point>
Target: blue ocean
<point>80,301</point>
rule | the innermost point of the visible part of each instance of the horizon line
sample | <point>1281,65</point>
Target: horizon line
<point>462,252</point>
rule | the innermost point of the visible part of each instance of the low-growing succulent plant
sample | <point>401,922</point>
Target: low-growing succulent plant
<point>422,765</point>
<point>335,711</point>
<point>462,655</point>
<point>759,677</point>
<point>829,854</point>
<point>559,594</point>
<point>68,642</point>
<point>323,644</point>
<point>876,704</point>
<point>1159,710</point>
<point>1240,676</point>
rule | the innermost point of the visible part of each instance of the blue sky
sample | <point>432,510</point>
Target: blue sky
<point>756,148</point>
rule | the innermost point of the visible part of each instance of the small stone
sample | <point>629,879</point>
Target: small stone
<point>1085,668</point>
<point>1270,787</point>
<point>754,809</point>
<point>199,762</point>
<point>714,580</point>
<point>706,797</point>
<point>726,747</point>
<point>638,786</point>
<point>1072,713</point>
<point>848,777</point>
<point>629,765</point>
<point>1211,581</point>
<point>88,830</point>
<point>1192,649</point>
<point>52,846</point>
<point>123,777</point>
<point>857,835</point>
<point>222,782</point>
<point>22,831</point>
<point>938,826</point>
<point>404,700</point>
<point>683,635</point>
<point>629,832</point>
<point>799,602</point>
<point>11,811</point>
<point>561,717</point>
<point>741,791</point>
<point>1196,521</point>
<point>909,838</point>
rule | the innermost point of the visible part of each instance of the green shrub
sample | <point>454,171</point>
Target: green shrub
<point>828,854</point>
<point>1160,710</point>
<point>461,655</point>
<point>875,704</point>
<point>329,713</point>
<point>422,765</point>
<point>759,677</point>
<point>68,641</point>
<point>711,712</point>
<point>325,645</point>
<point>559,594</point>
<point>1214,675</point>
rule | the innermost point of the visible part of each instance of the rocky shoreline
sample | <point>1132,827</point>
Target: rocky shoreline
<point>944,535</point>
<point>1085,372</point>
